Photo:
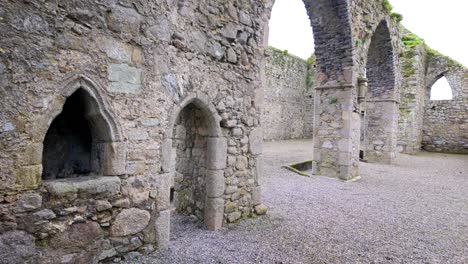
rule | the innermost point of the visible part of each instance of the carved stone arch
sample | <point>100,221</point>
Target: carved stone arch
<point>108,151</point>
<point>331,24</point>
<point>380,63</point>
<point>208,165</point>
<point>98,108</point>
<point>203,102</point>
<point>378,99</point>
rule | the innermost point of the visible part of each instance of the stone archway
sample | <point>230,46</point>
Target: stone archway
<point>380,118</point>
<point>194,154</point>
<point>335,123</point>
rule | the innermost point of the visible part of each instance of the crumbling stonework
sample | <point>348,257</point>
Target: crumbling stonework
<point>148,96</point>
<point>445,122</point>
<point>425,124</point>
<point>288,104</point>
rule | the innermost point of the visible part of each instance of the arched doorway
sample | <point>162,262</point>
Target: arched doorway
<point>379,120</point>
<point>198,162</point>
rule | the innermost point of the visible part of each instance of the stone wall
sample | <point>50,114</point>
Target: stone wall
<point>140,63</point>
<point>445,122</point>
<point>424,124</point>
<point>288,102</point>
<point>412,98</point>
<point>142,66</point>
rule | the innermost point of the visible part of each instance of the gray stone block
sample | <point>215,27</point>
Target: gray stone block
<point>130,222</point>
<point>217,153</point>
<point>163,229</point>
<point>256,141</point>
<point>29,202</point>
<point>214,213</point>
<point>215,183</point>
<point>124,79</point>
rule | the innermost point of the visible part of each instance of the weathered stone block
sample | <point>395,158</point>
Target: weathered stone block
<point>102,205</point>
<point>256,195</point>
<point>234,216</point>
<point>45,214</point>
<point>86,185</point>
<point>256,141</point>
<point>164,189</point>
<point>217,153</point>
<point>214,213</point>
<point>124,79</point>
<point>115,158</point>
<point>28,176</point>
<point>215,183</point>
<point>29,202</point>
<point>166,155</point>
<point>130,222</point>
<point>163,229</point>
<point>17,247</point>
<point>78,236</point>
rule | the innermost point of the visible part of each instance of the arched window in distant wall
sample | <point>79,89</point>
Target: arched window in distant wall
<point>441,90</point>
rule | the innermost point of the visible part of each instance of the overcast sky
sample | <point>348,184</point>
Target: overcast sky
<point>442,24</point>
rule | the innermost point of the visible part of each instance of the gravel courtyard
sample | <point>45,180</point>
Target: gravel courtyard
<point>415,211</point>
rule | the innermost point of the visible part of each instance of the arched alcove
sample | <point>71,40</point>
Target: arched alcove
<point>198,159</point>
<point>80,141</point>
<point>379,115</point>
<point>441,90</point>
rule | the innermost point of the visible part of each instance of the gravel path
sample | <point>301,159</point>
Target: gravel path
<point>415,211</point>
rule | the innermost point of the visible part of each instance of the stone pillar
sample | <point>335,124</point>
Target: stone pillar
<point>336,133</point>
<point>382,127</point>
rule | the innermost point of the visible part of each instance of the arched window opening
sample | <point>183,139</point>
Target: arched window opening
<point>290,28</point>
<point>441,90</point>
<point>73,144</point>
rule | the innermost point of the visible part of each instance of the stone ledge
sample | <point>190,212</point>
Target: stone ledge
<point>86,185</point>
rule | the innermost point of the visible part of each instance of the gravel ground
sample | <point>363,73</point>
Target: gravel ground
<point>415,211</point>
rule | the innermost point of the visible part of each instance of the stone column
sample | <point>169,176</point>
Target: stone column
<point>382,127</point>
<point>336,133</point>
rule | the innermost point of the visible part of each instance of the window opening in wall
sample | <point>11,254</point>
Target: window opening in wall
<point>441,90</point>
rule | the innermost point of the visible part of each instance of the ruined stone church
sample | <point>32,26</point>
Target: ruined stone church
<point>113,113</point>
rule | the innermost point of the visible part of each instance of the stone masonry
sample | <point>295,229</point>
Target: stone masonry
<point>114,112</point>
<point>288,103</point>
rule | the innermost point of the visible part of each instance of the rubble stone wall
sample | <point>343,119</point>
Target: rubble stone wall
<point>445,127</point>
<point>288,103</point>
<point>139,62</point>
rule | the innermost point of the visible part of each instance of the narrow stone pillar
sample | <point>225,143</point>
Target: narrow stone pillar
<point>382,127</point>
<point>162,224</point>
<point>214,213</point>
<point>336,133</point>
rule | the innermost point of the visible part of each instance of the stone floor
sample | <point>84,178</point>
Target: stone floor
<point>415,211</point>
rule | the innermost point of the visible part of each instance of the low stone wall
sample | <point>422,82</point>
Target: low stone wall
<point>288,97</point>
<point>446,126</point>
<point>84,220</point>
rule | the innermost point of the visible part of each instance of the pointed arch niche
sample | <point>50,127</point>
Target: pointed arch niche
<point>83,139</point>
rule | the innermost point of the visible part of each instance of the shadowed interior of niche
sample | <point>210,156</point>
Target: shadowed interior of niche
<point>68,144</point>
